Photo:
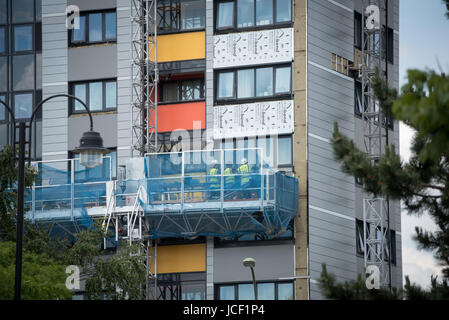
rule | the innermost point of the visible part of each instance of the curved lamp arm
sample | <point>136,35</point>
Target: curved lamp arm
<point>14,133</point>
<point>52,97</point>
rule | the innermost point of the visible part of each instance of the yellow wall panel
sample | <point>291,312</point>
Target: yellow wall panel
<point>181,46</point>
<point>180,258</point>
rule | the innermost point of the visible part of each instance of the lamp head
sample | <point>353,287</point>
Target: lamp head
<point>249,262</point>
<point>91,149</point>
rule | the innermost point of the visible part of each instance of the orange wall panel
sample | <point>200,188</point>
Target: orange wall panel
<point>180,258</point>
<point>181,46</point>
<point>171,117</point>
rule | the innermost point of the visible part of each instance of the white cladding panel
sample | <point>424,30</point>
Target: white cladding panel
<point>245,120</point>
<point>253,48</point>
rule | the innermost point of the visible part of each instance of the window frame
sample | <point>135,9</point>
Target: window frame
<point>235,99</point>
<point>13,102</point>
<point>87,41</point>
<point>173,29</point>
<point>87,83</point>
<point>254,27</point>
<point>13,38</point>
<point>237,284</point>
<point>179,91</point>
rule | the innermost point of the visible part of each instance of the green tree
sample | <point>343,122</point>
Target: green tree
<point>118,276</point>
<point>42,277</point>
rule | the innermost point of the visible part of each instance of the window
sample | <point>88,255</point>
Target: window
<point>182,286</point>
<point>3,15</point>
<point>225,85</point>
<point>182,90</point>
<point>360,239</point>
<point>181,15</point>
<point>358,98</point>
<point>253,13</point>
<point>23,105</point>
<point>2,40</point>
<point>95,27</point>
<point>265,291</point>
<point>3,74</point>
<point>23,38</point>
<point>261,82</point>
<point>225,15</point>
<point>388,44</point>
<point>22,11</point>
<point>393,246</point>
<point>2,108</point>
<point>98,95</point>
<point>285,154</point>
<point>358,30</point>
<point>23,72</point>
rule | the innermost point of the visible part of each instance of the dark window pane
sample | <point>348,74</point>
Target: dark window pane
<point>191,90</point>
<point>38,70</point>
<point>111,95</point>
<point>2,40</point>
<point>358,97</point>
<point>358,30</point>
<point>23,38</point>
<point>245,83</point>
<point>245,13</point>
<point>225,14</point>
<point>284,151</point>
<point>226,85</point>
<point>79,35</point>
<point>285,291</point>
<point>3,15</point>
<point>22,11</point>
<point>170,91</point>
<point>96,96</point>
<point>3,73</point>
<point>95,27</point>
<point>246,292</point>
<point>193,290</point>
<point>38,10</point>
<point>23,72</point>
<point>2,108</point>
<point>283,80</point>
<point>169,15</point>
<point>79,90</point>
<point>264,82</point>
<point>23,105</point>
<point>283,10</point>
<point>227,293</point>
<point>264,12</point>
<point>265,291</point>
<point>110,22</point>
<point>192,14</point>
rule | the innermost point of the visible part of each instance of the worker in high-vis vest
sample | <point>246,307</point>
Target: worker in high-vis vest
<point>245,178</point>
<point>214,180</point>
<point>229,180</point>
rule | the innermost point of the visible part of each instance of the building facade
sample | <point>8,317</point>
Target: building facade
<point>233,74</point>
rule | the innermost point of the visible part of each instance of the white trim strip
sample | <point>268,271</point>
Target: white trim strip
<point>341,6</point>
<point>331,71</point>
<point>123,78</point>
<point>50,15</point>
<point>314,281</point>
<point>53,84</point>
<point>332,213</point>
<point>123,148</point>
<point>57,153</point>
<point>319,138</point>
<point>123,8</point>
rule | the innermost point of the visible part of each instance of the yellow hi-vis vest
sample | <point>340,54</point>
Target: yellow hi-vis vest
<point>214,180</point>
<point>230,179</point>
<point>244,170</point>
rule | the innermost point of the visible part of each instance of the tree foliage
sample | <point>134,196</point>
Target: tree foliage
<point>357,289</point>
<point>42,277</point>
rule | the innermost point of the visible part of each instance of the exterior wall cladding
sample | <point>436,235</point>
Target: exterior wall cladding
<point>332,201</point>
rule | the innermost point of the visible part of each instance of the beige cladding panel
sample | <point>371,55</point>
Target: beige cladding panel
<point>300,144</point>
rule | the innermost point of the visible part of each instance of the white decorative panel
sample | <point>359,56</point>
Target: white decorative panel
<point>252,48</point>
<point>245,120</point>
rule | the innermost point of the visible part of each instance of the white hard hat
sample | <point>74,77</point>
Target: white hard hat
<point>214,162</point>
<point>244,161</point>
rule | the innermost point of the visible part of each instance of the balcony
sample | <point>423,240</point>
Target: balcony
<point>185,194</point>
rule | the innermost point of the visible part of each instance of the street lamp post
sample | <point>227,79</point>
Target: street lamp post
<point>251,263</point>
<point>91,151</point>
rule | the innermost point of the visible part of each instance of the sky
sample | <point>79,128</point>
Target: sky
<point>423,44</point>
